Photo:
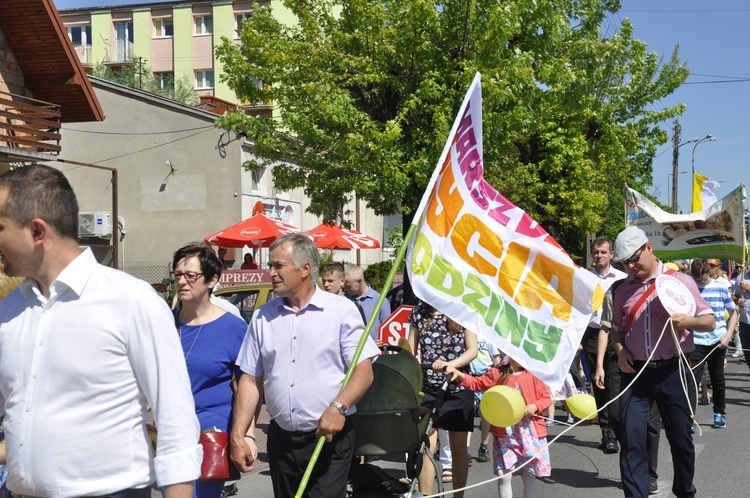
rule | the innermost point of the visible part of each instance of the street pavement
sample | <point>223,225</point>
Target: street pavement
<point>580,470</point>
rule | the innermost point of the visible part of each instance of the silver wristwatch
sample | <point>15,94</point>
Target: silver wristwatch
<point>340,407</point>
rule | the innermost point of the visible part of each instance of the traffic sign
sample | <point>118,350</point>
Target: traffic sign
<point>395,326</point>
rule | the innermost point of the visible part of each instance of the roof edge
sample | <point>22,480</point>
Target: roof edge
<point>80,78</point>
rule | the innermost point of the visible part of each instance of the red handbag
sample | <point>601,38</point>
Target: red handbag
<point>216,464</point>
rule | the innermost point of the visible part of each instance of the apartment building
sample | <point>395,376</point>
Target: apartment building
<point>172,39</point>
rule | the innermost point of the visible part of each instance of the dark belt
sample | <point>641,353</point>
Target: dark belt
<point>125,493</point>
<point>297,437</point>
<point>656,363</point>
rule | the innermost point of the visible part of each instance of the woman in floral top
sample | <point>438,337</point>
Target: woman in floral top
<point>442,343</point>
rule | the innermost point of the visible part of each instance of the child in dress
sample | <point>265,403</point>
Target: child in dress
<point>527,440</point>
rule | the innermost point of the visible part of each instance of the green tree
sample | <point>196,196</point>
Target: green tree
<point>367,91</point>
<point>139,76</point>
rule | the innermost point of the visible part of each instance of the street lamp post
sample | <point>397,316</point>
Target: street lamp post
<point>668,182</point>
<point>707,138</point>
<point>675,160</point>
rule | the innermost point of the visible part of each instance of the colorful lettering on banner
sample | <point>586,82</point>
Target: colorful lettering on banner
<point>488,265</point>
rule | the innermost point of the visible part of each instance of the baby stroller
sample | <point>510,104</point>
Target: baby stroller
<point>388,419</point>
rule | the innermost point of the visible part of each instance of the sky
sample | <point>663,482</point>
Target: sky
<point>711,41</point>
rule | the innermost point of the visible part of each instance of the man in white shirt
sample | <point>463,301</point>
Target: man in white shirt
<point>84,351</point>
<point>297,351</point>
<point>602,253</point>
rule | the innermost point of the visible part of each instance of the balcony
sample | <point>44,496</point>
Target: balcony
<point>84,53</point>
<point>28,126</point>
<point>120,52</point>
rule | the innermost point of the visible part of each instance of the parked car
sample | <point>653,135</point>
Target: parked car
<point>247,297</point>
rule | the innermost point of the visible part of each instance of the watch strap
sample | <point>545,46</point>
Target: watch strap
<point>340,407</point>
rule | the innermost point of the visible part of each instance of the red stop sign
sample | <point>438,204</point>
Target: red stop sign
<point>395,326</point>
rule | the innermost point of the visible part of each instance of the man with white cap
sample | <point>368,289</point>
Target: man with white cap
<point>638,320</point>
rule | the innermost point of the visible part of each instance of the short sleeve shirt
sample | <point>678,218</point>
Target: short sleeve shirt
<point>436,342</point>
<point>651,318</point>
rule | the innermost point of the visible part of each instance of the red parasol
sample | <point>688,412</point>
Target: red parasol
<point>337,237</point>
<point>257,231</point>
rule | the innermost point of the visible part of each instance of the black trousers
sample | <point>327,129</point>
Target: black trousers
<point>715,363</point>
<point>609,418</point>
<point>288,460</point>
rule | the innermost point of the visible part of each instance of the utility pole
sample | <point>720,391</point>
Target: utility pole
<point>675,161</point>
<point>139,64</point>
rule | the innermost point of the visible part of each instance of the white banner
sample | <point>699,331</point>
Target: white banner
<point>715,232</point>
<point>486,264</point>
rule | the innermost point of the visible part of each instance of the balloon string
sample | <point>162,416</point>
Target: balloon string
<point>553,420</point>
<point>568,429</point>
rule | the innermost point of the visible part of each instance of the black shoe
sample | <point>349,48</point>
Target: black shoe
<point>653,486</point>
<point>603,442</point>
<point>612,447</point>
<point>483,455</point>
<point>229,490</point>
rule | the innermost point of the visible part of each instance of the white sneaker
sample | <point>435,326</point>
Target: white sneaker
<point>737,353</point>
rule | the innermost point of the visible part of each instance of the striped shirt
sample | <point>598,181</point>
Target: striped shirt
<point>717,296</point>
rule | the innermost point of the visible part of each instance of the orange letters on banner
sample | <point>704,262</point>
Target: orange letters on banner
<point>444,206</point>
<point>469,237</point>
<point>536,289</point>
<point>512,268</point>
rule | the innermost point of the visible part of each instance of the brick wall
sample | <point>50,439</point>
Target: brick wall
<point>11,77</point>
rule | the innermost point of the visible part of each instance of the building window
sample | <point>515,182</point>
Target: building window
<point>123,41</point>
<point>256,178</point>
<point>163,28</point>
<point>238,18</point>
<point>204,79</point>
<point>80,35</point>
<point>165,80</point>
<point>204,25</point>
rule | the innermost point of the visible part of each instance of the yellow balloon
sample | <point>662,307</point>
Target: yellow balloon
<point>582,406</point>
<point>502,406</point>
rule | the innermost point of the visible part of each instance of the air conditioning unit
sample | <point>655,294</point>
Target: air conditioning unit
<point>94,224</point>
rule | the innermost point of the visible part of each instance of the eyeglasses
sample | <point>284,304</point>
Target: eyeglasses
<point>190,277</point>
<point>635,257</point>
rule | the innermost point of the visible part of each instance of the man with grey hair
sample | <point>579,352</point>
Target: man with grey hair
<point>299,347</point>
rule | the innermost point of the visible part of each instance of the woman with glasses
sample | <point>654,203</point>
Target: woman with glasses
<point>211,338</point>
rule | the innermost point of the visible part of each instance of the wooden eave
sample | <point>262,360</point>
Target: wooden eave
<point>52,71</point>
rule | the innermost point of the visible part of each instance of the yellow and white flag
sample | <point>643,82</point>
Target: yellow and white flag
<point>703,192</point>
<point>489,266</point>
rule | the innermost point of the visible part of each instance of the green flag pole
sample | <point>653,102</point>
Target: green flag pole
<point>358,352</point>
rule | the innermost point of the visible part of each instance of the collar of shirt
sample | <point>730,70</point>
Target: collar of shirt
<point>73,277</point>
<point>316,301</point>
<point>611,273</point>
<point>660,268</point>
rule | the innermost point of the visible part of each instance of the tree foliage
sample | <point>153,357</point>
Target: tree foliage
<point>367,91</point>
<point>138,76</point>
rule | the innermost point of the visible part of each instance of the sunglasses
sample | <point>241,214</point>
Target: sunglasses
<point>190,277</point>
<point>635,257</point>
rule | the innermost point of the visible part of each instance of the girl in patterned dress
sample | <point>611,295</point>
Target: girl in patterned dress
<point>527,440</point>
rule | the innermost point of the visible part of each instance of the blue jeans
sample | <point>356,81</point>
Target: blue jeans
<point>663,386</point>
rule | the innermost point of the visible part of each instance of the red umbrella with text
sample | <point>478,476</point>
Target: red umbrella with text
<point>337,237</point>
<point>257,231</point>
